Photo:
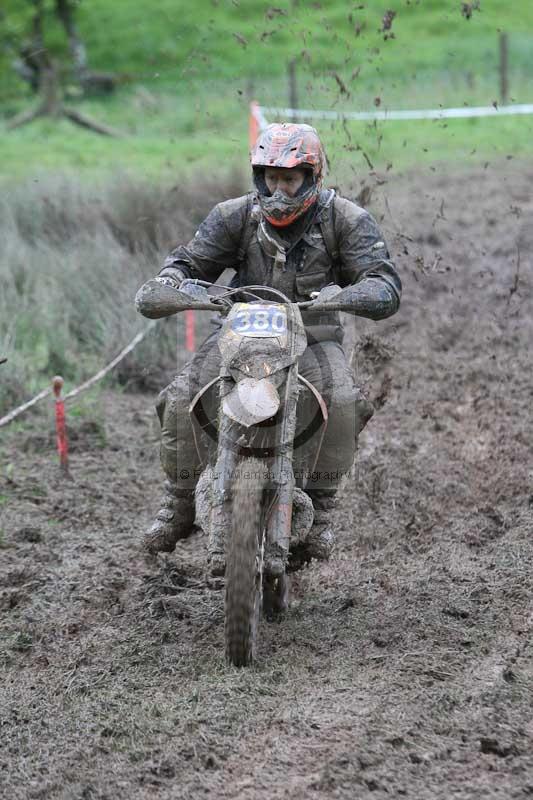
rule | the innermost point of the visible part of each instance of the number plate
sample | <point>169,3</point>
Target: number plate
<point>257,320</point>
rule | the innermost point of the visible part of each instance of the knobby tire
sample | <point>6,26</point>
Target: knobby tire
<point>244,562</point>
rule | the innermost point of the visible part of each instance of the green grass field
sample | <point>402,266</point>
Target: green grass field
<point>171,41</point>
<point>188,71</point>
<point>50,146</point>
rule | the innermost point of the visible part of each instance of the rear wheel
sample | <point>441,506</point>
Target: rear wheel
<point>244,562</point>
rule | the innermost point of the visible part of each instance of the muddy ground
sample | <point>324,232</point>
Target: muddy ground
<point>403,668</point>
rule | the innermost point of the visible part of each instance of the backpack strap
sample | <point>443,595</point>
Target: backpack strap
<point>326,221</point>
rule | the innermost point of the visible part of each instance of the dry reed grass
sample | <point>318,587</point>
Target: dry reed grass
<point>71,261</point>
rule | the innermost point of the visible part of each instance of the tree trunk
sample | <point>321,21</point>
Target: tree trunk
<point>50,95</point>
<point>37,28</point>
<point>51,104</point>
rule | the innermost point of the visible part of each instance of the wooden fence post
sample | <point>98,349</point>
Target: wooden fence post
<point>504,69</point>
<point>293,87</point>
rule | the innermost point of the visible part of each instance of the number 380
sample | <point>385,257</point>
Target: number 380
<point>260,321</point>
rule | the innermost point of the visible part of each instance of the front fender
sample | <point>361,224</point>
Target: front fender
<point>251,401</point>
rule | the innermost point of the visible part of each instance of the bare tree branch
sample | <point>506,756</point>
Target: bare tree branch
<point>23,118</point>
<point>92,125</point>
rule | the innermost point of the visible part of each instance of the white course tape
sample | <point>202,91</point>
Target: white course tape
<point>434,113</point>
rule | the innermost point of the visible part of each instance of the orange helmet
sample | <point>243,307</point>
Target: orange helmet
<point>287,145</point>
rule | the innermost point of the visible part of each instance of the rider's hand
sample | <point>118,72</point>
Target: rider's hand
<point>166,280</point>
<point>327,294</point>
<point>171,276</point>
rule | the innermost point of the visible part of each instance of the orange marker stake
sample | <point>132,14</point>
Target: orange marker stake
<point>61,429</point>
<point>190,337</point>
<point>253,124</point>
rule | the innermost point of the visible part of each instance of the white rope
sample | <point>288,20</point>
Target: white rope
<point>434,113</point>
<point>12,414</point>
<point>99,375</point>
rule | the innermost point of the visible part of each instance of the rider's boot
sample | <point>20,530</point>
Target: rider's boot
<point>320,540</point>
<point>173,521</point>
<point>175,517</point>
<point>216,559</point>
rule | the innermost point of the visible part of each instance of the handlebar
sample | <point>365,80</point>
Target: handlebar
<point>222,293</point>
<point>251,290</point>
<point>155,300</point>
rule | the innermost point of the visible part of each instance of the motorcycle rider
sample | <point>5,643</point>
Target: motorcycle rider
<point>308,242</point>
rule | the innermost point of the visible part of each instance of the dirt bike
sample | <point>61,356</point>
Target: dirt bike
<point>254,505</point>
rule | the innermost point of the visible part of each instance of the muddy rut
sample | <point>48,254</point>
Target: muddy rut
<point>404,667</point>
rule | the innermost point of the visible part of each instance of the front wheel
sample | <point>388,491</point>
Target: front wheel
<point>244,563</point>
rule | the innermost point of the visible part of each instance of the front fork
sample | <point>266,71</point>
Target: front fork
<point>280,517</point>
<point>227,455</point>
<point>280,513</point>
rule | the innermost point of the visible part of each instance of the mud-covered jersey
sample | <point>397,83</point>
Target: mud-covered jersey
<point>337,242</point>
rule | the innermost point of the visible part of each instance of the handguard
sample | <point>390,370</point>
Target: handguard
<point>156,299</point>
<point>373,298</point>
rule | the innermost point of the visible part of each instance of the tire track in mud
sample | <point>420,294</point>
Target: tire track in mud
<point>403,667</point>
